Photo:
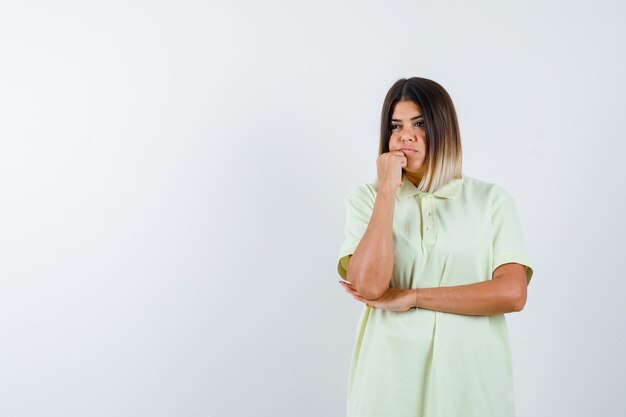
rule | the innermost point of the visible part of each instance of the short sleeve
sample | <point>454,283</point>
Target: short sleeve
<point>359,205</point>
<point>507,238</point>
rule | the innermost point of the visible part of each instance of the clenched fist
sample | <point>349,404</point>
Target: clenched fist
<point>390,165</point>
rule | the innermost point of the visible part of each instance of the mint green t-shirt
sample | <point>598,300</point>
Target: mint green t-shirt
<point>424,363</point>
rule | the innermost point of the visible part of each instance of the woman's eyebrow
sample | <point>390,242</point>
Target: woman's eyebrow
<point>412,118</point>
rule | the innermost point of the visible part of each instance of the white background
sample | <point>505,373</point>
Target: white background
<point>172,177</point>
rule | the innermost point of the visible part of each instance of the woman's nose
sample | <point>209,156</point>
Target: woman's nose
<point>407,136</point>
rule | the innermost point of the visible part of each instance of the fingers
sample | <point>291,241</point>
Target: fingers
<point>358,297</point>
<point>344,283</point>
<point>400,155</point>
<point>393,154</point>
<point>350,290</point>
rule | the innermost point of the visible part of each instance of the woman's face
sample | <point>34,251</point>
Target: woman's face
<point>408,135</point>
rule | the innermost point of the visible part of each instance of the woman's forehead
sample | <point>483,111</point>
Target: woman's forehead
<point>405,109</point>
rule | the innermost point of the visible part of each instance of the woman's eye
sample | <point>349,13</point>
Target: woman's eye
<point>393,126</point>
<point>420,124</point>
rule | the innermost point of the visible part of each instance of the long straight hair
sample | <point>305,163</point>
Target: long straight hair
<point>443,138</point>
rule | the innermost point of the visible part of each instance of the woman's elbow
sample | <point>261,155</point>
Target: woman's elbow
<point>367,290</point>
<point>371,292</point>
<point>518,300</point>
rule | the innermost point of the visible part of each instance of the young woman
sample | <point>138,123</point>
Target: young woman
<point>437,258</point>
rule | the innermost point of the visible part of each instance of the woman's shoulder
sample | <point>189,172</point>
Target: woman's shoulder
<point>364,193</point>
<point>364,189</point>
<point>484,189</point>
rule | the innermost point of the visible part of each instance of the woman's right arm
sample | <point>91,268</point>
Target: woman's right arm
<point>370,267</point>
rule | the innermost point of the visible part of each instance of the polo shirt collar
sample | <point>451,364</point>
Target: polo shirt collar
<point>408,189</point>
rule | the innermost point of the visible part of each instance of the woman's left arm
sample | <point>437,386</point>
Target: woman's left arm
<point>504,293</point>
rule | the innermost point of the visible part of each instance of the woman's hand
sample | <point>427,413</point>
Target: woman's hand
<point>389,166</point>
<point>393,299</point>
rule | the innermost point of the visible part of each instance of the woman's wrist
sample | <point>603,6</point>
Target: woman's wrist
<point>414,297</point>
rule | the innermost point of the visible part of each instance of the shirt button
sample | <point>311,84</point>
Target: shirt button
<point>429,213</point>
<point>427,227</point>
